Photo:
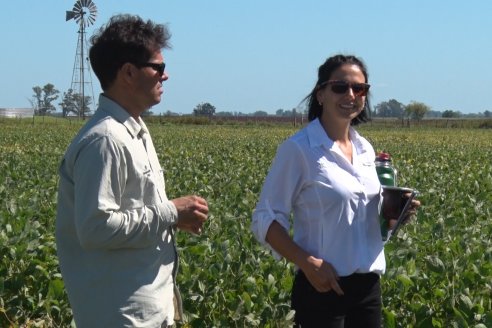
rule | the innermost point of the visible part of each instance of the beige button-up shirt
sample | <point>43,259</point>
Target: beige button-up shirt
<point>114,225</point>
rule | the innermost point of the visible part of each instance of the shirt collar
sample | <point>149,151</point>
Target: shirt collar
<point>318,137</point>
<point>133,126</point>
<point>357,140</point>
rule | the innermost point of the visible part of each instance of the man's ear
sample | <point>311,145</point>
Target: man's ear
<point>128,72</point>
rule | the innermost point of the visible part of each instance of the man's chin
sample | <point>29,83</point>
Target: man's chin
<point>156,101</point>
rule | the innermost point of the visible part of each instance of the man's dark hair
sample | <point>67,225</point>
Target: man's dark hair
<point>125,39</point>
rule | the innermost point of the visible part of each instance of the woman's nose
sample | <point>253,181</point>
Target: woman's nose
<point>350,92</point>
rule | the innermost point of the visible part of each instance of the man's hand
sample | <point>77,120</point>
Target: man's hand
<point>192,213</point>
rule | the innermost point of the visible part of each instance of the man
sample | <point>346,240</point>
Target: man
<point>115,225</point>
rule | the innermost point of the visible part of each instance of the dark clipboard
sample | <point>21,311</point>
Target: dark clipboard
<point>399,222</point>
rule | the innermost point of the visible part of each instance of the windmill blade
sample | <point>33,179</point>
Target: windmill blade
<point>92,7</point>
<point>76,16</point>
<point>93,15</point>
<point>91,19</point>
<point>77,7</point>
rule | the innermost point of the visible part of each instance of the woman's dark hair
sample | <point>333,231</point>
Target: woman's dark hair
<point>124,39</point>
<point>324,73</point>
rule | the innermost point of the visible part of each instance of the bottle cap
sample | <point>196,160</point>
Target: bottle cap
<point>384,156</point>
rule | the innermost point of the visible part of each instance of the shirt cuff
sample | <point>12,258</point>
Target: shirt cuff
<point>260,225</point>
<point>168,214</point>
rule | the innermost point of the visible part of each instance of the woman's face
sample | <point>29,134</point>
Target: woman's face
<point>347,105</point>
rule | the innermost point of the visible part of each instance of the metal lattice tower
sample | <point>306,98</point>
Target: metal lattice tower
<point>84,13</point>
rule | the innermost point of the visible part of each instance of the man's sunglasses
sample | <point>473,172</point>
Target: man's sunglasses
<point>341,87</point>
<point>159,68</point>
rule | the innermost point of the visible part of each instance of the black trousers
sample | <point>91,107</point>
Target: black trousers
<point>360,306</point>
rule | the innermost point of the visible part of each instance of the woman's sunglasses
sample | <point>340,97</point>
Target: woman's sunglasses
<point>341,87</point>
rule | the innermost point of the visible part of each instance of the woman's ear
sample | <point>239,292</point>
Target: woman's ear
<point>319,96</point>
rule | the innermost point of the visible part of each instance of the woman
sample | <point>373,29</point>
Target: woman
<point>325,176</point>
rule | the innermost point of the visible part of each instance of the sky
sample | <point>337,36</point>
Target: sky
<point>251,55</point>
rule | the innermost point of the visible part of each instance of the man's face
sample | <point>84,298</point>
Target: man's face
<point>149,86</point>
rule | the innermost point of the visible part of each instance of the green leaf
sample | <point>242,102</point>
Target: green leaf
<point>436,323</point>
<point>389,319</point>
<point>460,317</point>
<point>405,280</point>
<point>435,264</point>
<point>56,289</point>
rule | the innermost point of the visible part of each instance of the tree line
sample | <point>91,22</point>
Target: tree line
<point>73,103</point>
<point>207,109</point>
<point>417,110</point>
<point>392,108</point>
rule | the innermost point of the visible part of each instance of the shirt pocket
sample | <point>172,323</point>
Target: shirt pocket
<point>141,187</point>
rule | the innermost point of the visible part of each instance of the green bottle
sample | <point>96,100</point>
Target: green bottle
<point>387,177</point>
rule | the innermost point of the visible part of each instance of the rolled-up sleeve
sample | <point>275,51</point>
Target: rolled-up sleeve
<point>279,191</point>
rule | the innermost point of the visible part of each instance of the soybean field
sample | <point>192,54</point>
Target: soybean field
<point>439,267</point>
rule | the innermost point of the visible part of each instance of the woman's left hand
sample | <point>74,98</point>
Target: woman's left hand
<point>411,212</point>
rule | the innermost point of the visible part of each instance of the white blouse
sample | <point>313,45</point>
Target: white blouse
<point>335,203</point>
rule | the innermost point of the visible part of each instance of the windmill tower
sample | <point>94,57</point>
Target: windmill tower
<point>84,13</point>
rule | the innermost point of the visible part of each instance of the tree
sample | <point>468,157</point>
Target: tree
<point>391,108</point>
<point>85,110</point>
<point>224,114</point>
<point>451,114</point>
<point>487,113</point>
<point>68,103</point>
<point>148,113</point>
<point>204,109</point>
<point>259,113</point>
<point>416,110</point>
<point>72,103</point>
<point>171,113</point>
<point>433,114</point>
<point>43,98</point>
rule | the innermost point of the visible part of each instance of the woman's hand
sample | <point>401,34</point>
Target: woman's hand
<point>394,203</point>
<point>411,212</point>
<point>321,275</point>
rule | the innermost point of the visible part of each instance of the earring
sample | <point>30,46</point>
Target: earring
<point>320,103</point>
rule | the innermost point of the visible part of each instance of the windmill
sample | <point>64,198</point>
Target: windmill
<point>84,13</point>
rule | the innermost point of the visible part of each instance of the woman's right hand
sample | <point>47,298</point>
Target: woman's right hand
<point>322,275</point>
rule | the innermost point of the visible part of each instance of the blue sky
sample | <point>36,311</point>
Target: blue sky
<point>250,55</point>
